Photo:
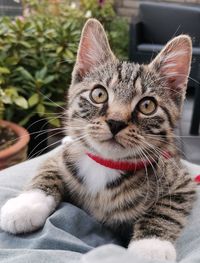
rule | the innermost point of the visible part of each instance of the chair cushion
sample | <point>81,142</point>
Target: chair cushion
<point>153,48</point>
<point>150,48</point>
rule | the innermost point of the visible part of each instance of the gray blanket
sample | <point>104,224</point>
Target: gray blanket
<point>70,232</point>
<point>67,234</point>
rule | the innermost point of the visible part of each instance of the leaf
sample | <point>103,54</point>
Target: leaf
<point>49,79</point>
<point>59,50</point>
<point>49,46</point>
<point>11,91</point>
<point>21,102</point>
<point>40,110</point>
<point>69,54</point>
<point>2,80</point>
<point>54,121</point>
<point>33,100</point>
<point>4,70</point>
<point>41,40</point>
<point>39,83</point>
<point>6,99</point>
<point>25,73</point>
<point>25,44</point>
<point>12,60</point>
<point>50,31</point>
<point>67,25</point>
<point>41,73</point>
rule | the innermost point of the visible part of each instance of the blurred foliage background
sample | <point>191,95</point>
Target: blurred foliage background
<point>38,50</point>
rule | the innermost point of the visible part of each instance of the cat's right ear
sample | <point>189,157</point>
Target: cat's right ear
<point>93,50</point>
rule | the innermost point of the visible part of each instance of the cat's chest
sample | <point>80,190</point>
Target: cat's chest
<point>95,177</point>
<point>109,196</point>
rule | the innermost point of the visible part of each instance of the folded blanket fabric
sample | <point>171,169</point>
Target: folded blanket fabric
<point>70,232</point>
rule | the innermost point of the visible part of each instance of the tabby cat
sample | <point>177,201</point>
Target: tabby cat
<point>121,165</point>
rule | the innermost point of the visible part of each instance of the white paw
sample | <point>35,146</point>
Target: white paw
<point>154,248</point>
<point>27,212</point>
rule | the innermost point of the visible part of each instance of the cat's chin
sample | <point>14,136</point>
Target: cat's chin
<point>113,143</point>
<point>111,149</point>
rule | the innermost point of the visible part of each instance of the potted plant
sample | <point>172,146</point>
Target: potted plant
<point>13,139</point>
<point>13,144</point>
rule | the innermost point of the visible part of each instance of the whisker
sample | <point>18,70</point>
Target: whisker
<point>160,152</point>
<point>163,176</point>
<point>172,144</point>
<point>44,149</point>
<point>41,143</point>
<point>52,101</point>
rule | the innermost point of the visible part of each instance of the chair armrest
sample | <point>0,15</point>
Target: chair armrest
<point>135,34</point>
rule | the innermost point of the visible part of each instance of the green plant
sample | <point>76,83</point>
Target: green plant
<point>36,60</point>
<point>37,53</point>
<point>116,27</point>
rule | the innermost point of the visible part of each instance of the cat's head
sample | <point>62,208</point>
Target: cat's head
<point>120,109</point>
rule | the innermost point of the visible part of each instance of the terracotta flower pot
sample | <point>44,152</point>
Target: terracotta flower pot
<point>17,152</point>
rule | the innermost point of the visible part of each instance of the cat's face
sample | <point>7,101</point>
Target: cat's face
<point>125,110</point>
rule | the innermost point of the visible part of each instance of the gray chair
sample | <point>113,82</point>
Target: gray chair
<point>155,25</point>
<point>195,124</point>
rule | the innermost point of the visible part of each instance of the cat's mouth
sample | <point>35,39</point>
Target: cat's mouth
<point>111,147</point>
<point>113,142</point>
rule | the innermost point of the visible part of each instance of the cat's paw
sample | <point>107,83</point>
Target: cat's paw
<point>153,248</point>
<point>27,212</point>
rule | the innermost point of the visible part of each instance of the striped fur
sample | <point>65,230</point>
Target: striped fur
<point>155,201</point>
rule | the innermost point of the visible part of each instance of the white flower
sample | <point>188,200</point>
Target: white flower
<point>88,14</point>
<point>73,5</point>
<point>17,1</point>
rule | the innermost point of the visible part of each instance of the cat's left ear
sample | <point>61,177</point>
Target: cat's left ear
<point>173,62</point>
<point>94,49</point>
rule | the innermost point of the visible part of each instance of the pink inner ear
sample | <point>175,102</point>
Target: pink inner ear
<point>94,48</point>
<point>84,62</point>
<point>173,61</point>
<point>175,66</point>
<point>91,48</point>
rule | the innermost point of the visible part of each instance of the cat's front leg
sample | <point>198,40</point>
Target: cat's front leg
<point>155,233</point>
<point>29,211</point>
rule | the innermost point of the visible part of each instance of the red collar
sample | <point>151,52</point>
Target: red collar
<point>123,165</point>
<point>128,166</point>
<point>197,179</point>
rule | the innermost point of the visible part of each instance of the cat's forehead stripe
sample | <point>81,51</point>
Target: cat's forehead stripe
<point>119,71</point>
<point>127,76</point>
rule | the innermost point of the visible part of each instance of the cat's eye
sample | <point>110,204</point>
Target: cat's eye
<point>98,94</point>
<point>147,106</point>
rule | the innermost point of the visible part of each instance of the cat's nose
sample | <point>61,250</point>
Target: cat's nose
<point>116,126</point>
